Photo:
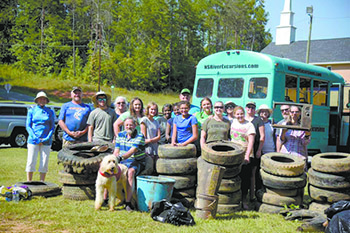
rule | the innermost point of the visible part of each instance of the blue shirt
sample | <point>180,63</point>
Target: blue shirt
<point>75,117</point>
<point>124,144</point>
<point>40,125</point>
<point>184,127</point>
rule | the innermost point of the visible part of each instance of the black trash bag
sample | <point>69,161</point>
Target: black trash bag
<point>176,214</point>
<point>338,215</point>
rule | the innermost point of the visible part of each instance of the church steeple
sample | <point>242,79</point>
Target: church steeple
<point>285,32</point>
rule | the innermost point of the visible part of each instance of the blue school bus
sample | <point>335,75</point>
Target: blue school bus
<point>243,76</point>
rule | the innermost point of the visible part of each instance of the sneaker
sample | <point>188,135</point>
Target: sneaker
<point>128,208</point>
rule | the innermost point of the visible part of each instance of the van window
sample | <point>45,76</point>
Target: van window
<point>305,90</point>
<point>258,88</point>
<point>230,87</point>
<point>205,87</point>
<point>320,92</point>
<point>291,88</point>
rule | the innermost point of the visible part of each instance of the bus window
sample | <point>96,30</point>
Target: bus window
<point>205,87</point>
<point>230,87</point>
<point>305,90</point>
<point>320,93</point>
<point>258,88</point>
<point>291,88</point>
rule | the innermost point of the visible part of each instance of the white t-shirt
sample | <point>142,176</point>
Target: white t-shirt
<point>152,128</point>
<point>240,131</point>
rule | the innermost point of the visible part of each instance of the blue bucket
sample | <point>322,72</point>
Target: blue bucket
<point>151,189</point>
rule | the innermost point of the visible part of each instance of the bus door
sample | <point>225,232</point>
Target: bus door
<point>335,117</point>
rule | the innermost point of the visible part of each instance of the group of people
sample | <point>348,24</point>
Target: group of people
<point>137,132</point>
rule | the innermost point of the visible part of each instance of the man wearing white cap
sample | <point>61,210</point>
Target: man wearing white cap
<point>101,119</point>
<point>73,118</point>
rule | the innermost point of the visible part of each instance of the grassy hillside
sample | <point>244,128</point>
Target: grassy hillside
<point>58,89</point>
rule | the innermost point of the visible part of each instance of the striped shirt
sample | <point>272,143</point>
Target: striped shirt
<point>124,144</point>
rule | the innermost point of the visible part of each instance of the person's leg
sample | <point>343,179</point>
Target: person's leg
<point>252,183</point>
<point>245,184</point>
<point>31,160</point>
<point>44,161</point>
<point>130,188</point>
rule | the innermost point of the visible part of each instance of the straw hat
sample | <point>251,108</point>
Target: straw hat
<point>94,98</point>
<point>41,94</point>
<point>264,107</point>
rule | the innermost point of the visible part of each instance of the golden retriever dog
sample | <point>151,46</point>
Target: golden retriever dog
<point>113,177</point>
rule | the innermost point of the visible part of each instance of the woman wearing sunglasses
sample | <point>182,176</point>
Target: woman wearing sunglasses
<point>294,141</point>
<point>215,128</point>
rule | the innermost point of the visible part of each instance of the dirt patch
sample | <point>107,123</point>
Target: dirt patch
<point>7,225</point>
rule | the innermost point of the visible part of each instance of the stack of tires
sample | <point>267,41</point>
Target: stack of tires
<point>230,156</point>
<point>80,167</point>
<point>179,163</point>
<point>329,179</point>
<point>284,180</point>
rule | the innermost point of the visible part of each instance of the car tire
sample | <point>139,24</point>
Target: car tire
<point>230,198</point>
<point>44,189</point>
<point>326,180</point>
<point>331,162</point>
<point>282,192</point>
<point>19,138</point>
<point>278,200</point>
<point>168,151</point>
<point>228,208</point>
<point>223,153</point>
<point>76,179</point>
<point>267,208</point>
<point>279,182</point>
<point>232,171</point>
<point>177,166</point>
<point>280,164</point>
<point>328,195</point>
<point>183,182</point>
<point>75,159</point>
<point>230,185</point>
<point>79,192</point>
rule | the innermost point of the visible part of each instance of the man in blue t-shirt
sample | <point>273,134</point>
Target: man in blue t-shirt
<point>73,118</point>
<point>185,95</point>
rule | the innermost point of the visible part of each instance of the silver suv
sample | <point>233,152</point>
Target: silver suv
<point>13,123</point>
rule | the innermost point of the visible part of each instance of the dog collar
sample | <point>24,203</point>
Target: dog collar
<point>107,175</point>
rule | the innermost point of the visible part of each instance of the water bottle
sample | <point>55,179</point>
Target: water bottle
<point>15,194</point>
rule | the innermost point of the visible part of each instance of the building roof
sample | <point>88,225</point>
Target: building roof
<point>326,51</point>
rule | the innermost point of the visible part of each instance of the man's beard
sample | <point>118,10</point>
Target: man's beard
<point>130,132</point>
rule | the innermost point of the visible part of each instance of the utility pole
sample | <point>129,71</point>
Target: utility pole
<point>309,11</point>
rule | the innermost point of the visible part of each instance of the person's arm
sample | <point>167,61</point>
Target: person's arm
<point>251,138</point>
<point>261,141</point>
<point>116,152</point>
<point>144,131</point>
<point>168,131</point>
<point>116,125</point>
<point>90,133</point>
<point>64,127</point>
<point>173,137</point>
<point>52,127</point>
<point>193,138</point>
<point>203,138</point>
<point>156,138</point>
<point>306,138</point>
<point>29,128</point>
<point>82,132</point>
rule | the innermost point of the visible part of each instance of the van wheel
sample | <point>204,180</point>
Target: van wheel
<point>19,138</point>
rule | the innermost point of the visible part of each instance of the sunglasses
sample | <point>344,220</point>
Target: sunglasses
<point>251,106</point>
<point>219,107</point>
<point>230,107</point>
<point>293,112</point>
<point>285,110</point>
<point>101,99</point>
<point>121,103</point>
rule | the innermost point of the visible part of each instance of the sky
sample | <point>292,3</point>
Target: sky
<point>331,18</point>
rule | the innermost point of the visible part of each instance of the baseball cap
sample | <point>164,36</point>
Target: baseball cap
<point>251,103</point>
<point>76,88</point>
<point>185,90</point>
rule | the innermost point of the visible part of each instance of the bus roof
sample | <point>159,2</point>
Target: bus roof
<point>242,61</point>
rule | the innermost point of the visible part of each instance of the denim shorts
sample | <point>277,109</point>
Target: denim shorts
<point>137,163</point>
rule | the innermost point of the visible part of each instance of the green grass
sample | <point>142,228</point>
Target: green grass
<point>30,84</point>
<point>57,214</point>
